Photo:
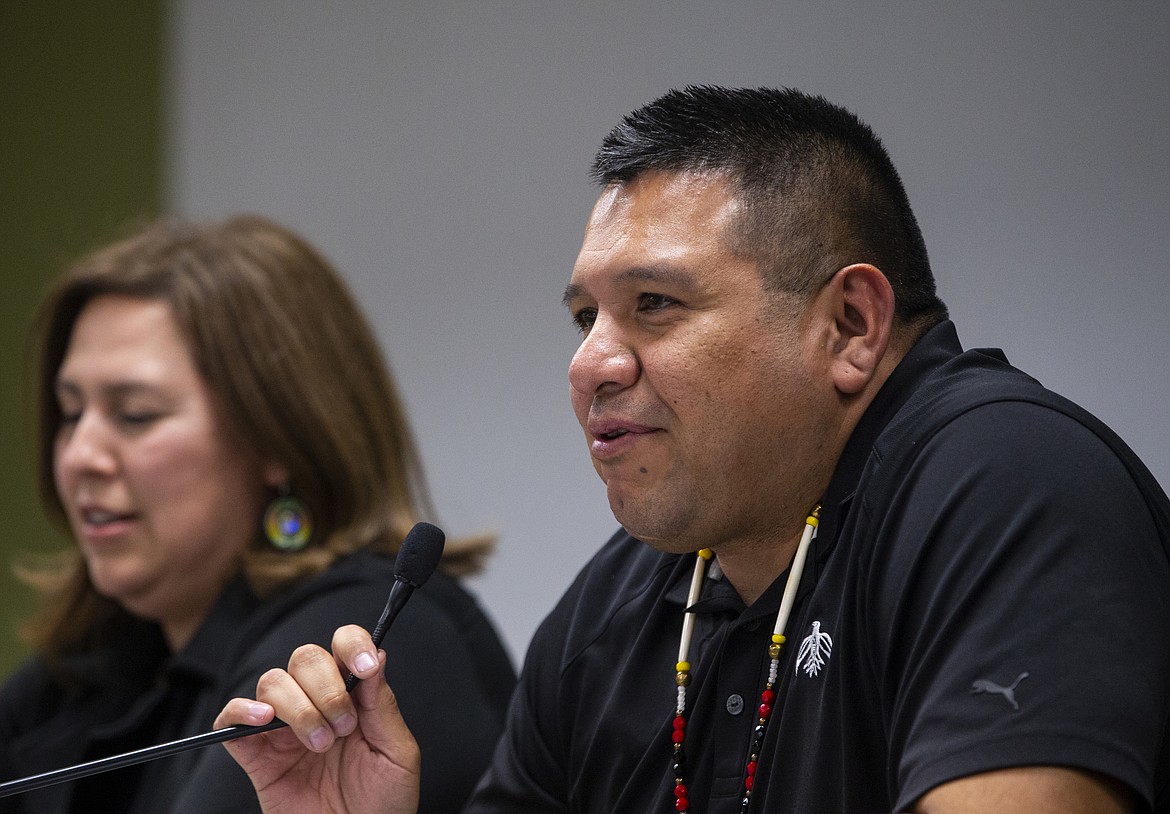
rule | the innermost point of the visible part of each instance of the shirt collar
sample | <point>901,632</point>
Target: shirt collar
<point>933,349</point>
<point>719,596</point>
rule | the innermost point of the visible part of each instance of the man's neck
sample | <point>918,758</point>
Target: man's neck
<point>751,568</point>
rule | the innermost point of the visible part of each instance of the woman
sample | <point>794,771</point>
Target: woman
<point>220,436</point>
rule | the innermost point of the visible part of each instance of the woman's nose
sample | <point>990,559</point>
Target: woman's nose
<point>85,445</point>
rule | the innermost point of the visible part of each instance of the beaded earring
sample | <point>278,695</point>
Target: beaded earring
<point>287,522</point>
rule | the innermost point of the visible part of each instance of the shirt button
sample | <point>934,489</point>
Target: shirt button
<point>735,703</point>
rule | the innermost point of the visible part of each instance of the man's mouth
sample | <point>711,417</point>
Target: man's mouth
<point>610,435</point>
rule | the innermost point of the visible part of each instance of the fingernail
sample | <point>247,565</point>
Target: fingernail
<point>345,725</point>
<point>320,739</point>
<point>258,710</point>
<point>365,662</point>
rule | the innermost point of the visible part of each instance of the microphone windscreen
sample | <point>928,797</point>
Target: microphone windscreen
<point>420,554</point>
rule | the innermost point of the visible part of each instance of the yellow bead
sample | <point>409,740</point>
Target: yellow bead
<point>779,638</point>
<point>683,666</point>
<point>706,553</point>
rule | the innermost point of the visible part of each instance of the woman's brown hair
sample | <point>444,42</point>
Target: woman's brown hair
<point>298,377</point>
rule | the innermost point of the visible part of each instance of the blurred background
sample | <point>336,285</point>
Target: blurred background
<point>438,151</point>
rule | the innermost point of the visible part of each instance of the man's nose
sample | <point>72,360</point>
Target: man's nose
<point>605,360</point>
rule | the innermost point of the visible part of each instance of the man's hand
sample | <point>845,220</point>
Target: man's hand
<point>340,752</point>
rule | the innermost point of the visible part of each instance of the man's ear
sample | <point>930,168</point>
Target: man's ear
<point>861,303</point>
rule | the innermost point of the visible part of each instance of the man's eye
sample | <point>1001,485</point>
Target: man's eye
<point>654,302</point>
<point>584,319</point>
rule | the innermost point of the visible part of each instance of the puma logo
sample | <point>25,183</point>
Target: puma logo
<point>986,685</point>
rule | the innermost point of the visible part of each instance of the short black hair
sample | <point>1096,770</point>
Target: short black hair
<point>818,189</point>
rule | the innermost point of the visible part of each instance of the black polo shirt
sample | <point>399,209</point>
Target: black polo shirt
<point>989,587</point>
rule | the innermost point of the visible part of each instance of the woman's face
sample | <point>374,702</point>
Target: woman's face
<point>162,501</point>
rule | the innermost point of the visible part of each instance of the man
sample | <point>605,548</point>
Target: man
<point>973,617</point>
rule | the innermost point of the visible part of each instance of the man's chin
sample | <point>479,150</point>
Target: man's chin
<point>658,537</point>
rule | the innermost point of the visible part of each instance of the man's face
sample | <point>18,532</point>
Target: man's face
<point>697,387</point>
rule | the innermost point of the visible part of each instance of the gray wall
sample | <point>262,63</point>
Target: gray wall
<point>437,151</point>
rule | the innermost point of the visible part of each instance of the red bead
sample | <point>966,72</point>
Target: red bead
<point>765,710</point>
<point>768,696</point>
<point>748,782</point>
<point>681,804</point>
<point>680,790</point>
<point>680,722</point>
<point>751,768</point>
<point>678,736</point>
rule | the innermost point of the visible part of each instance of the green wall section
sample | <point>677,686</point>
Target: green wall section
<point>81,158</point>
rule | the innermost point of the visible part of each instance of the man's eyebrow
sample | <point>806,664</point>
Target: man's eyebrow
<point>572,291</point>
<point>660,273</point>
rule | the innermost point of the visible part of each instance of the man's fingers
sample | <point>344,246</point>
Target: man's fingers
<point>310,696</point>
<point>382,722</point>
<point>317,676</point>
<point>355,652</point>
<point>296,693</point>
<point>244,711</point>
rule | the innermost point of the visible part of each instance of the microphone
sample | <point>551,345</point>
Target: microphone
<point>413,566</point>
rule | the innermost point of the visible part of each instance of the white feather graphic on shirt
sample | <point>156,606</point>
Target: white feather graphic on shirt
<point>814,651</point>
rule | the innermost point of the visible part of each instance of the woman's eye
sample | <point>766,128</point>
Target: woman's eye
<point>137,419</point>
